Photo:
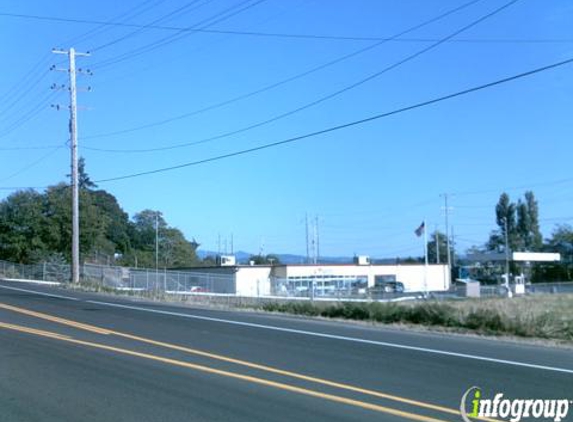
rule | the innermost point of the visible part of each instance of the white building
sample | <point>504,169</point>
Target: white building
<point>326,279</point>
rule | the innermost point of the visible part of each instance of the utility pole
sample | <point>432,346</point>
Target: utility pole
<point>506,253</point>
<point>74,157</point>
<point>314,237</point>
<point>307,246</point>
<point>453,247</point>
<point>156,240</point>
<point>425,257</point>
<point>437,240</point>
<point>447,213</point>
<point>317,240</point>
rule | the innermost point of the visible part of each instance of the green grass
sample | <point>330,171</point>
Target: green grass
<point>540,316</point>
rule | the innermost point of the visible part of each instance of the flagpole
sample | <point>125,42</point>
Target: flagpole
<point>425,258</point>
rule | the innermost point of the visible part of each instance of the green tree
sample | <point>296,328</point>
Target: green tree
<point>38,226</point>
<point>533,240</point>
<point>440,245</point>
<point>84,180</point>
<point>174,250</point>
<point>93,223</point>
<point>22,227</point>
<point>506,221</point>
<point>521,221</point>
<point>270,259</point>
<point>561,241</point>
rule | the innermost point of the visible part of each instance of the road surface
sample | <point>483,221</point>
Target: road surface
<point>72,356</point>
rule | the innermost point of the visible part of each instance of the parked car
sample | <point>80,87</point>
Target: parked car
<point>390,287</point>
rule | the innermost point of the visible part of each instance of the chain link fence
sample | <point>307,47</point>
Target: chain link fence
<point>48,272</point>
<point>214,287</point>
<point>123,278</point>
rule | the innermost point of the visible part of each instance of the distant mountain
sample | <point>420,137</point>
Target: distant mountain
<point>243,258</point>
<point>239,255</point>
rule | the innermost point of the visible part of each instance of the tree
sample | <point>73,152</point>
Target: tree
<point>521,221</point>
<point>442,245</point>
<point>84,181</point>
<point>22,227</point>
<point>37,226</point>
<point>505,218</point>
<point>117,227</point>
<point>174,250</point>
<point>265,259</point>
<point>562,240</point>
<point>533,240</point>
<point>93,223</point>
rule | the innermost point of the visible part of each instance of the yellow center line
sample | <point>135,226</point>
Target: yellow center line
<point>210,370</point>
<point>34,331</point>
<point>59,320</point>
<point>240,362</point>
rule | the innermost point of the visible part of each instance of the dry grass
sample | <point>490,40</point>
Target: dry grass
<point>539,316</point>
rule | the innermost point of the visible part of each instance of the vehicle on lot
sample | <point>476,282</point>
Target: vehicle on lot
<point>393,287</point>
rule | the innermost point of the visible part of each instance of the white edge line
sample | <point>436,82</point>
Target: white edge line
<point>337,337</point>
<point>40,293</point>
<point>24,280</point>
<point>309,333</point>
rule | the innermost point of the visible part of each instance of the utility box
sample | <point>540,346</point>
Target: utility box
<point>468,288</point>
<point>362,260</point>
<point>226,261</point>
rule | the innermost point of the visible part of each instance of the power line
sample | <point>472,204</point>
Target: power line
<point>271,86</point>
<point>213,20</point>
<point>29,148</point>
<point>325,98</point>
<point>106,26</point>
<point>34,163</point>
<point>14,95</point>
<point>26,117</point>
<point>346,125</point>
<point>282,34</point>
<point>177,12</point>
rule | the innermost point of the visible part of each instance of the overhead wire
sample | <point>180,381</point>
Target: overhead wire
<point>15,94</point>
<point>282,35</point>
<point>321,99</point>
<point>41,106</point>
<point>276,84</point>
<point>212,20</point>
<point>34,163</point>
<point>347,125</point>
<point>140,28</point>
<point>15,89</point>
<point>104,26</point>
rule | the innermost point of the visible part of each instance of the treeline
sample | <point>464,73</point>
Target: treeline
<point>37,227</point>
<point>518,231</point>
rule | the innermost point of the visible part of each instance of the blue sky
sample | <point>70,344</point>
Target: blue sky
<point>370,185</point>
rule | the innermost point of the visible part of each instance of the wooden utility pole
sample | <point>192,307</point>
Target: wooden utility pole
<point>71,53</point>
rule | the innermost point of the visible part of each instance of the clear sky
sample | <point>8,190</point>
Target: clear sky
<point>370,185</point>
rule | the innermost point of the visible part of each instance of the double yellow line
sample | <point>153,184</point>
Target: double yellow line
<point>207,369</point>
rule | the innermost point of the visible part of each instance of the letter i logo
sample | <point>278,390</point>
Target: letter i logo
<point>475,403</point>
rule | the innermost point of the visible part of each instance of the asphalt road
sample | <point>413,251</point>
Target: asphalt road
<point>70,356</point>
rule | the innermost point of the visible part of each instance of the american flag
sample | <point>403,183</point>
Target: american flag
<point>420,230</point>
